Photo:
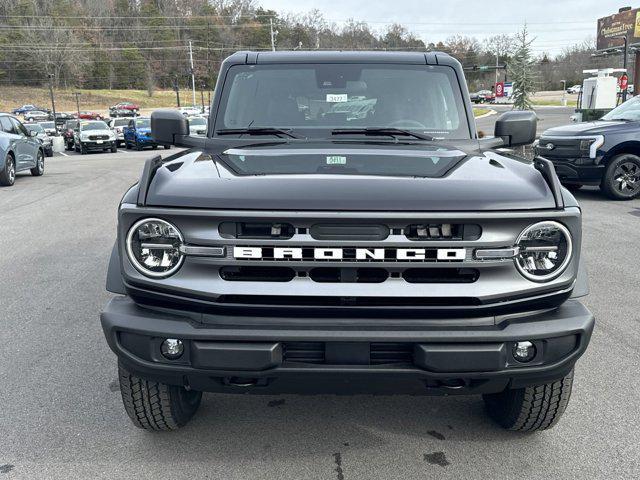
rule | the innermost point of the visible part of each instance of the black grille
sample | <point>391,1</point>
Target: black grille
<point>349,275</point>
<point>98,137</point>
<point>304,352</point>
<point>442,231</point>
<point>387,352</point>
<point>256,230</point>
<point>257,274</point>
<point>380,353</point>
<point>312,301</point>
<point>441,275</point>
<point>569,148</point>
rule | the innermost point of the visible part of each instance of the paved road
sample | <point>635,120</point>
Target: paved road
<point>547,117</point>
<point>61,414</point>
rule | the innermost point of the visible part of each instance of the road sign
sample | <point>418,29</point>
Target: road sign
<point>500,89</point>
<point>623,82</point>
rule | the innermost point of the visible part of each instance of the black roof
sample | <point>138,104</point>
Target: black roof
<point>322,56</point>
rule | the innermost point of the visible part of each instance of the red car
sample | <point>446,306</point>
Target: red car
<point>124,109</point>
<point>89,116</point>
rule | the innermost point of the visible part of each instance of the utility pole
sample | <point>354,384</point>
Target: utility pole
<point>273,35</point>
<point>497,64</point>
<point>193,75</point>
<point>624,62</point>
<point>53,102</point>
<point>176,88</point>
<point>77,94</point>
<point>202,87</point>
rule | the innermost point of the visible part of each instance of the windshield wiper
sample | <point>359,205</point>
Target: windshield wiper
<point>258,131</point>
<point>387,131</point>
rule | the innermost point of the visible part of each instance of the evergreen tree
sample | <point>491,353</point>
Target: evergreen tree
<point>522,69</point>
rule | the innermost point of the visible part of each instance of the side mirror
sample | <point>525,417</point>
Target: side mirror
<point>517,128</point>
<point>33,133</point>
<point>167,126</point>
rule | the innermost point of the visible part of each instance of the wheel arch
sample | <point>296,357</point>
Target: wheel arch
<point>632,147</point>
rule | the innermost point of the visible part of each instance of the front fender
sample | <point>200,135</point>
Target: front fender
<point>114,273</point>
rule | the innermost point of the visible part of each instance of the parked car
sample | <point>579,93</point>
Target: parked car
<point>89,116</point>
<point>137,134</point>
<point>483,96</point>
<point>575,89</point>
<point>190,111</point>
<point>62,117</point>
<point>604,152</point>
<point>24,109</point>
<point>117,125</point>
<point>41,134</point>
<point>68,132</point>
<point>124,109</point>
<point>49,128</point>
<point>36,116</point>
<point>94,135</point>
<point>412,257</point>
<point>19,150</point>
<point>197,126</point>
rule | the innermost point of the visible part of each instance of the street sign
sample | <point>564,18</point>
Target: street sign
<point>623,82</point>
<point>500,89</point>
<point>611,29</point>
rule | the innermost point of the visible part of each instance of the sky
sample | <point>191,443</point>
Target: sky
<point>554,23</point>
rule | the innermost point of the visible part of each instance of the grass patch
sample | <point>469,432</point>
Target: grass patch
<point>480,111</point>
<point>554,103</point>
<point>96,100</point>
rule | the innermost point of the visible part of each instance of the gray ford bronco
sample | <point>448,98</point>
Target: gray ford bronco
<point>343,229</point>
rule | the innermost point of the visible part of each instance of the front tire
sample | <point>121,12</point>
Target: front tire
<point>621,180</point>
<point>156,406</point>
<point>38,170</point>
<point>8,173</point>
<point>530,409</point>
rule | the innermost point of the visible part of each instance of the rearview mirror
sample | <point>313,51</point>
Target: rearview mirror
<point>517,128</point>
<point>168,126</point>
<point>33,133</point>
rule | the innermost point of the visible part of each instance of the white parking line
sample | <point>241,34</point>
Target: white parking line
<point>62,153</point>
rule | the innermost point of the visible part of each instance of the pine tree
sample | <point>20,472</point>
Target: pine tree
<point>522,71</point>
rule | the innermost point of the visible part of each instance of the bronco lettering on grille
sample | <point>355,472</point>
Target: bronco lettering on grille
<point>349,254</point>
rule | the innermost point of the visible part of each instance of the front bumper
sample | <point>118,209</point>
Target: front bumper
<point>95,145</point>
<point>569,172</point>
<point>271,355</point>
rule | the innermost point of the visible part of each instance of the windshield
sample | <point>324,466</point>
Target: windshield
<point>120,122</point>
<point>316,99</point>
<point>142,123</point>
<point>93,126</point>
<point>197,121</point>
<point>629,110</point>
<point>47,125</point>
<point>34,128</point>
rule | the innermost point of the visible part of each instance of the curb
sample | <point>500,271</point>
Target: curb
<point>488,114</point>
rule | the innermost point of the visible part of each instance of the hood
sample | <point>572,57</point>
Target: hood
<point>476,182</point>
<point>97,132</point>
<point>598,127</point>
<point>144,131</point>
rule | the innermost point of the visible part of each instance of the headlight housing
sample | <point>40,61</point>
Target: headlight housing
<point>153,247</point>
<point>544,251</point>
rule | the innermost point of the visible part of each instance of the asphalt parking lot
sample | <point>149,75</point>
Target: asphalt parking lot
<point>61,414</point>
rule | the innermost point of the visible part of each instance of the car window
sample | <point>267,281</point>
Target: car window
<point>19,127</point>
<point>197,121</point>
<point>120,122</point>
<point>93,126</point>
<point>7,126</point>
<point>142,123</point>
<point>47,124</point>
<point>34,128</point>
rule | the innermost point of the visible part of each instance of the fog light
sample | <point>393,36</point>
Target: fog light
<point>172,348</point>
<point>524,351</point>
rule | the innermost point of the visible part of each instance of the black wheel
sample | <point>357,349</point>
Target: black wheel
<point>156,406</point>
<point>572,187</point>
<point>531,408</point>
<point>138,146</point>
<point>167,147</point>
<point>127,145</point>
<point>38,170</point>
<point>621,179</point>
<point>114,149</point>
<point>8,173</point>
<point>83,149</point>
<point>155,147</point>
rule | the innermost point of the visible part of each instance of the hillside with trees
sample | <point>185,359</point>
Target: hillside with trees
<point>143,44</point>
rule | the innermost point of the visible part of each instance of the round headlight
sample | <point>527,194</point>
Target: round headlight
<point>544,251</point>
<point>153,247</point>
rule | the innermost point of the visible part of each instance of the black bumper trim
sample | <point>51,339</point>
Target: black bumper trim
<point>570,319</point>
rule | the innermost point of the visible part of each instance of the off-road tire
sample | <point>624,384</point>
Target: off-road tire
<point>167,147</point>
<point>114,149</point>
<point>156,406</point>
<point>609,178</point>
<point>138,146</point>
<point>530,409</point>
<point>127,145</point>
<point>7,175</point>
<point>38,170</point>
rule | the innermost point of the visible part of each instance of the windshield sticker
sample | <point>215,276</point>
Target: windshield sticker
<point>337,97</point>
<point>336,160</point>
